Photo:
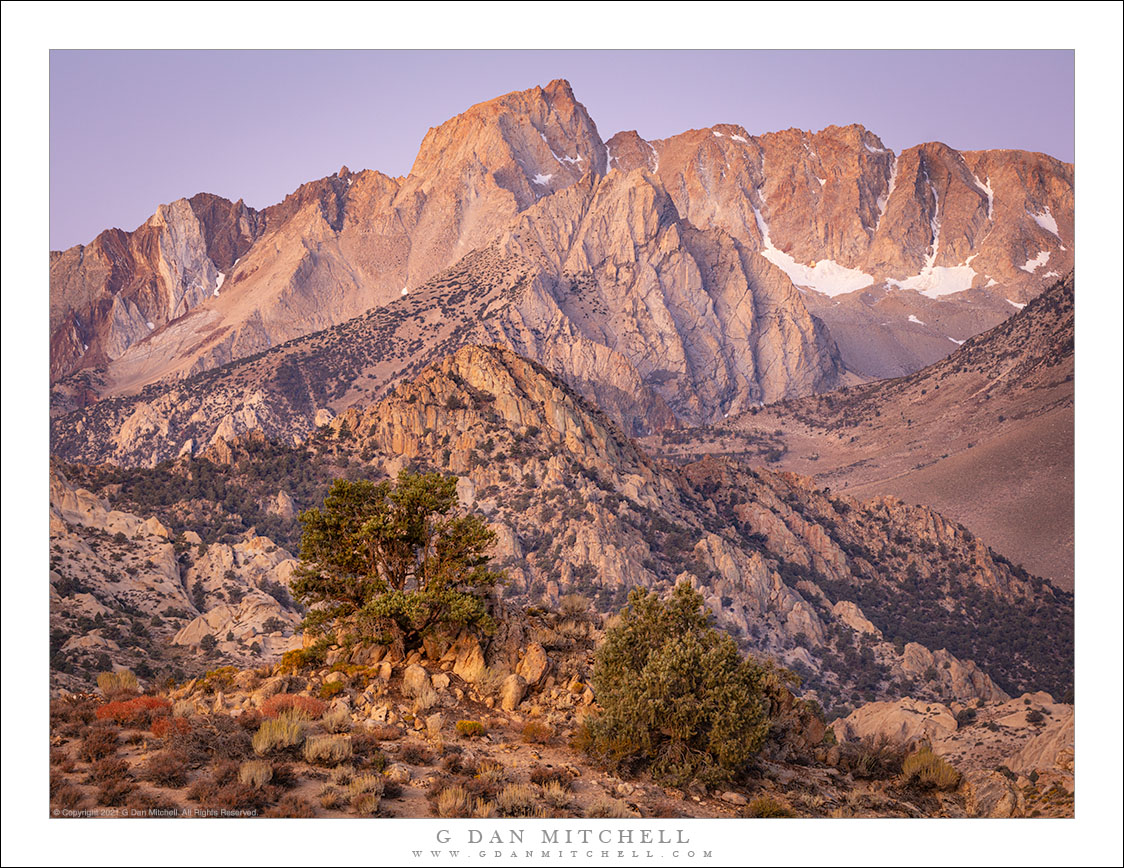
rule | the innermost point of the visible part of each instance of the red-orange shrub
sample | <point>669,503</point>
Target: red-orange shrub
<point>164,726</point>
<point>291,702</point>
<point>139,712</point>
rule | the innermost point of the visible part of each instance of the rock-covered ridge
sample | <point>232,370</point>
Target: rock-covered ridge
<point>114,292</point>
<point>825,584</point>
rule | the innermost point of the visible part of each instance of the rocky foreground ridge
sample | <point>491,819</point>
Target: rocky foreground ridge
<point>454,731</point>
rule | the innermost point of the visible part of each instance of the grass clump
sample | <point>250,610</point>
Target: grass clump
<point>454,801</point>
<point>114,685</point>
<point>925,769</point>
<point>327,750</point>
<point>282,733</point>
<point>768,807</point>
<point>256,773</point>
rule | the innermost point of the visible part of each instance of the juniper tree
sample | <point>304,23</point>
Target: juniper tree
<point>394,560</point>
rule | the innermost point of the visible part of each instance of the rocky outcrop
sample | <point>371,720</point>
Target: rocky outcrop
<point>1015,755</point>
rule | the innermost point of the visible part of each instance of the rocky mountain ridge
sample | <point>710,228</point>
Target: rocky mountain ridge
<point>932,235</point>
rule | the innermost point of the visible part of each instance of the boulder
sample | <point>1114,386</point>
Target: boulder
<point>512,691</point>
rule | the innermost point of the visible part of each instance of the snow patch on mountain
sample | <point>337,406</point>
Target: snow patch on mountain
<point>1032,265</point>
<point>826,276</point>
<point>1046,220</point>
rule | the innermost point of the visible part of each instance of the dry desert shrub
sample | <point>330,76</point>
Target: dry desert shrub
<point>415,755</point>
<point>165,769</point>
<point>256,773</point>
<point>99,742</point>
<point>280,733</point>
<point>291,807</point>
<point>336,720</point>
<point>491,773</point>
<point>341,775</point>
<point>308,706</point>
<point>537,732</point>
<point>604,807</point>
<point>470,728</point>
<point>516,800</point>
<point>108,769</point>
<point>769,807</point>
<point>555,795</point>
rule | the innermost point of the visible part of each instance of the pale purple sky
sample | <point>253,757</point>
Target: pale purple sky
<point>133,129</point>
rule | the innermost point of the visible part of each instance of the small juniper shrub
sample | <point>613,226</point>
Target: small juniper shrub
<point>331,689</point>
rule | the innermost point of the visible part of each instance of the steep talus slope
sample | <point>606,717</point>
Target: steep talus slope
<point>985,436</point>
<point>578,507</point>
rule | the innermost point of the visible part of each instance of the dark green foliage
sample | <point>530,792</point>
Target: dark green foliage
<point>393,560</point>
<point>676,696</point>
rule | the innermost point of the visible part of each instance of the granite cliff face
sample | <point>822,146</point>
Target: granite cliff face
<point>902,255</point>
